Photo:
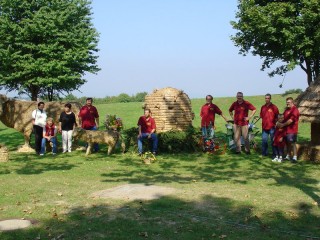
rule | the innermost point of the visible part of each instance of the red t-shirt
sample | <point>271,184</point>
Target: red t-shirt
<point>147,124</point>
<point>207,114</point>
<point>88,116</point>
<point>269,114</point>
<point>293,114</point>
<point>241,111</point>
<point>280,133</point>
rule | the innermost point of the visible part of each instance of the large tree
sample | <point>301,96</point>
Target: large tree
<point>285,32</point>
<point>46,46</point>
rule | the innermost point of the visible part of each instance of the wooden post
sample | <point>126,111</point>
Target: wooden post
<point>315,133</point>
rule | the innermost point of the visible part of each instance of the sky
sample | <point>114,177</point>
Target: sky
<point>185,44</point>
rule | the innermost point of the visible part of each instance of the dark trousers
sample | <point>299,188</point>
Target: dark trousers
<point>38,133</point>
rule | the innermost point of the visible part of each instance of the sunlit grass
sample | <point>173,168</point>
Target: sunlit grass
<point>226,196</point>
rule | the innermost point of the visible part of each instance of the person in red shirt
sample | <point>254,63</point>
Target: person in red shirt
<point>291,121</point>
<point>279,141</point>
<point>268,114</point>
<point>147,129</point>
<point>89,118</point>
<point>49,135</point>
<point>207,114</point>
<point>241,120</point>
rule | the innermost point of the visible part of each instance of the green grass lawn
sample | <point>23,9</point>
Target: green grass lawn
<point>217,197</point>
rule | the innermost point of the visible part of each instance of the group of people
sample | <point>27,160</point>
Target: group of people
<point>46,131</point>
<point>281,129</point>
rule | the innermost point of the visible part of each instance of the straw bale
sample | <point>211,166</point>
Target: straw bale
<point>171,109</point>
<point>4,153</point>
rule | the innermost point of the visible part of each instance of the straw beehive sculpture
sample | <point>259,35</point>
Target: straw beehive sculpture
<point>4,153</point>
<point>171,109</point>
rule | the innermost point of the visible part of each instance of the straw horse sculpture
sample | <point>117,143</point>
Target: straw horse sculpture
<point>17,114</point>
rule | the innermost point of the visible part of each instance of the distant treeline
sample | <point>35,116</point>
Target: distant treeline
<point>291,91</point>
<point>121,98</point>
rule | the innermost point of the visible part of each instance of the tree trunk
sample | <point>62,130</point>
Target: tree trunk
<point>34,91</point>
<point>315,133</point>
<point>309,72</point>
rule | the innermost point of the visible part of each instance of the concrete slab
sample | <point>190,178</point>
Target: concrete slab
<point>14,224</point>
<point>135,192</point>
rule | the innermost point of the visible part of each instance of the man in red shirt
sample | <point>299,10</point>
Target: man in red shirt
<point>147,129</point>
<point>269,114</point>
<point>291,121</point>
<point>89,118</point>
<point>241,120</point>
<point>207,114</point>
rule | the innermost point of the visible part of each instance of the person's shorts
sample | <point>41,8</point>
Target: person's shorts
<point>291,137</point>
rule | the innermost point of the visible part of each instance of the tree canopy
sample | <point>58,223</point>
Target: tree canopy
<point>285,31</point>
<point>46,46</point>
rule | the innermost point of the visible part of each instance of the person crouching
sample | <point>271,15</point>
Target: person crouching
<point>49,135</point>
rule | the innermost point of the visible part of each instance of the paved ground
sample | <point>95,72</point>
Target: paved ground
<point>14,224</point>
<point>135,192</point>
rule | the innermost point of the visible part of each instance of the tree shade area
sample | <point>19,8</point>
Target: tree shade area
<point>280,30</point>
<point>46,46</point>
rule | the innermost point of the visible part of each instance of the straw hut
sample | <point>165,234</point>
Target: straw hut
<point>171,109</point>
<point>308,104</point>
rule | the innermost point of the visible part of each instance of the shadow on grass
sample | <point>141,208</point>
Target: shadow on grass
<point>172,218</point>
<point>237,169</point>
<point>11,138</point>
<point>27,164</point>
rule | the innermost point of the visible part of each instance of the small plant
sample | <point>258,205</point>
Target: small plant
<point>148,157</point>
<point>113,122</point>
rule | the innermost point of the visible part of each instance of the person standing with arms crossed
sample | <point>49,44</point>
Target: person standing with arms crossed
<point>291,121</point>
<point>207,114</point>
<point>39,118</point>
<point>241,120</point>
<point>269,114</point>
<point>89,118</point>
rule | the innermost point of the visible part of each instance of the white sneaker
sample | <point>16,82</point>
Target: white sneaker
<point>275,159</point>
<point>279,159</point>
<point>287,157</point>
<point>41,154</point>
<point>294,158</point>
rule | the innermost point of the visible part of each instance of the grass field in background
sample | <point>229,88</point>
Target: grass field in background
<point>217,197</point>
<point>130,112</point>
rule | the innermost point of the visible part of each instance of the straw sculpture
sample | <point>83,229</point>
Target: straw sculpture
<point>4,153</point>
<point>171,109</point>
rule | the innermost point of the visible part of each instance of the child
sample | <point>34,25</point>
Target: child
<point>49,134</point>
<point>279,140</point>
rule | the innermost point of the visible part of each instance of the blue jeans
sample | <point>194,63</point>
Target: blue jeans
<point>265,136</point>
<point>154,141</point>
<point>96,145</point>
<point>43,145</point>
<point>207,132</point>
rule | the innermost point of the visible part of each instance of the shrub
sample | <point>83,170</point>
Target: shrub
<point>169,142</point>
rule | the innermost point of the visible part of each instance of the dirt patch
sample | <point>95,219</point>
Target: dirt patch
<point>135,192</point>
